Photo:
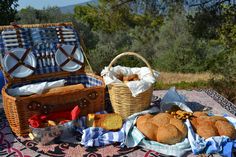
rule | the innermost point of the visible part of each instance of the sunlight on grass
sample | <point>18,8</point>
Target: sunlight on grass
<point>168,78</point>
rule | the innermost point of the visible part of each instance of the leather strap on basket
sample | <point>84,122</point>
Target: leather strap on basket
<point>69,57</point>
<point>17,27</point>
<point>20,61</point>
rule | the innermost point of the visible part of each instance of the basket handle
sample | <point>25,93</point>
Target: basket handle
<point>131,54</point>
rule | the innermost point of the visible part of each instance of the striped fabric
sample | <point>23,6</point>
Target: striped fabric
<point>95,136</point>
<point>84,79</point>
<point>39,40</point>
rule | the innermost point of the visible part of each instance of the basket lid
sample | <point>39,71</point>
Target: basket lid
<point>40,50</point>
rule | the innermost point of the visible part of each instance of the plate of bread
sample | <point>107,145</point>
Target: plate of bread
<point>162,127</point>
<point>208,126</point>
<point>169,128</point>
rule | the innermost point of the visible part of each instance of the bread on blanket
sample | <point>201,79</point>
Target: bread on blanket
<point>207,131</point>
<point>161,119</point>
<point>198,114</point>
<point>143,119</point>
<point>194,123</point>
<point>163,128</point>
<point>168,134</point>
<point>180,126</point>
<point>110,121</point>
<point>149,130</point>
<point>226,129</point>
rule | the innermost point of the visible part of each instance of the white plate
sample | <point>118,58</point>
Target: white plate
<point>21,71</point>
<point>13,44</point>
<point>67,40</point>
<point>12,40</point>
<point>9,32</point>
<point>65,33</point>
<point>9,36</point>
<point>67,36</point>
<point>71,66</point>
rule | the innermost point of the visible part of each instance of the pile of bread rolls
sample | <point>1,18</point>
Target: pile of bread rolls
<point>163,128</point>
<point>132,77</point>
<point>208,126</point>
<point>168,129</point>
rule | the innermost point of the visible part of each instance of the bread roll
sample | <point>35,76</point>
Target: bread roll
<point>194,123</point>
<point>120,76</point>
<point>216,118</point>
<point>162,127</point>
<point>209,120</point>
<point>111,121</point>
<point>198,114</point>
<point>205,120</point>
<point>180,126</point>
<point>143,119</point>
<point>207,131</point>
<point>149,130</point>
<point>161,119</point>
<point>168,134</point>
<point>65,89</point>
<point>226,129</point>
<point>133,77</point>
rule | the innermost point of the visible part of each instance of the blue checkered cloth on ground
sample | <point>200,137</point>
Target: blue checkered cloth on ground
<point>216,144</point>
<point>95,136</point>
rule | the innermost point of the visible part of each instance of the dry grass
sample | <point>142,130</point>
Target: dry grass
<point>167,77</point>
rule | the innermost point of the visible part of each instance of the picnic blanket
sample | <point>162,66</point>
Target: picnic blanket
<point>12,145</point>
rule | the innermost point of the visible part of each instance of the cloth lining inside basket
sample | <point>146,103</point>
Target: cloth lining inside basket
<point>86,80</point>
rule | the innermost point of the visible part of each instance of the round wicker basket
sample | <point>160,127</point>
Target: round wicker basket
<point>121,97</point>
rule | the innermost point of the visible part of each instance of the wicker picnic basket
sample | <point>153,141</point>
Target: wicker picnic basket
<point>121,97</point>
<point>19,109</point>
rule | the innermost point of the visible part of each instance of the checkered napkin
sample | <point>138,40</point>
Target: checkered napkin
<point>217,144</point>
<point>95,136</point>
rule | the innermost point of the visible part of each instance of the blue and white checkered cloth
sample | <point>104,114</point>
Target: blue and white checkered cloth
<point>217,144</point>
<point>95,136</point>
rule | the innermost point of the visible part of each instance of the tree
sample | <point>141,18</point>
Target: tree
<point>224,62</point>
<point>111,16</point>
<point>109,45</point>
<point>7,11</point>
<point>103,17</point>
<point>31,15</point>
<point>208,17</point>
<point>177,49</point>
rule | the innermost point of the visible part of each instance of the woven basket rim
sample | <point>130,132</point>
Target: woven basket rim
<point>5,27</point>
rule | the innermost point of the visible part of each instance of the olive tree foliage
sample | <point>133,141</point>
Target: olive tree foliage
<point>30,15</point>
<point>8,11</point>
<point>224,62</point>
<point>178,50</point>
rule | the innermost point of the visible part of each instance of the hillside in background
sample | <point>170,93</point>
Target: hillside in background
<point>70,8</point>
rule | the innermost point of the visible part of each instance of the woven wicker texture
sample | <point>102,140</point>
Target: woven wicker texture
<point>121,97</point>
<point>19,109</point>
